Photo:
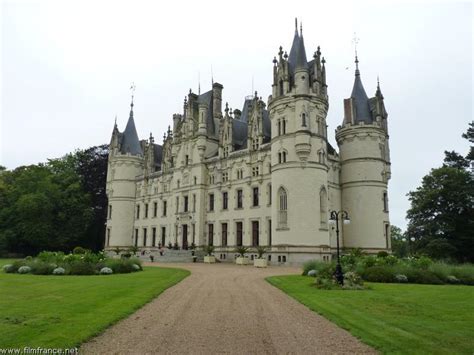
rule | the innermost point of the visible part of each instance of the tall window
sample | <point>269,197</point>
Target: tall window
<point>194,202</point>
<point>186,203</point>
<point>239,230</point>
<point>282,208</point>
<point>108,236</point>
<point>385,201</point>
<point>269,232</point>
<point>269,189</point>
<point>284,127</point>
<point>224,234</point>
<point>155,209</point>
<point>211,234</point>
<point>255,233</point>
<point>138,211</point>
<point>144,237</point>
<point>110,211</point>
<point>239,199</point>
<point>224,200</point>
<point>323,207</point>
<point>281,87</point>
<point>177,204</point>
<point>279,127</point>
<point>153,232</point>
<point>163,236</point>
<point>303,119</point>
<point>255,196</point>
<point>136,237</point>
<point>211,202</point>
<point>146,210</point>
<point>187,160</point>
<point>164,208</point>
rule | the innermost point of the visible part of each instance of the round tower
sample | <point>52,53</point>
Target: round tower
<point>298,108</point>
<point>125,163</point>
<point>365,169</point>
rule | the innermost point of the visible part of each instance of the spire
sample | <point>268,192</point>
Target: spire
<point>378,92</point>
<point>297,57</point>
<point>361,100</point>
<point>295,44</point>
<point>130,142</point>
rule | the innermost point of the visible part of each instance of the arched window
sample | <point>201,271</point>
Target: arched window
<point>284,127</point>
<point>281,87</point>
<point>279,158</point>
<point>323,207</point>
<point>282,208</point>
<point>283,157</point>
<point>279,127</point>
<point>303,119</point>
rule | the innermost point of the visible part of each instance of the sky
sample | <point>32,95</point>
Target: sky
<point>67,67</point>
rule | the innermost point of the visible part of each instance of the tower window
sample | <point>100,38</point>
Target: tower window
<point>385,202</point>
<point>284,127</point>
<point>279,127</point>
<point>110,211</point>
<point>239,198</point>
<point>303,118</point>
<point>282,208</point>
<point>138,211</point>
<point>281,87</point>
<point>323,207</point>
<point>187,159</point>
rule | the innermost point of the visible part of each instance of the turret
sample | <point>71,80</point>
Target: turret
<point>123,166</point>
<point>299,169</point>
<point>365,168</point>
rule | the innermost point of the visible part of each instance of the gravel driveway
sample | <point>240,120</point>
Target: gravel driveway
<point>225,309</point>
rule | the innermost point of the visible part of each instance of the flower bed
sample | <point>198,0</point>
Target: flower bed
<point>83,263</point>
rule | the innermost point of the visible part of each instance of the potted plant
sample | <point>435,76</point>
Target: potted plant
<point>260,261</point>
<point>242,259</point>
<point>209,258</point>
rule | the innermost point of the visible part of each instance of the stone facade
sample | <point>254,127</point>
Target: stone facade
<point>264,175</point>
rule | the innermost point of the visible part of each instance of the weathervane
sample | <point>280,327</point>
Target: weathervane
<point>132,89</point>
<point>355,41</point>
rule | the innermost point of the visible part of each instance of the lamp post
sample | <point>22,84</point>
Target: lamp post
<point>334,218</point>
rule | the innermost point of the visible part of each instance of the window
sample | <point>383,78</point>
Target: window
<point>323,207</point>
<point>225,177</point>
<point>279,158</point>
<point>136,237</point>
<point>155,209</point>
<point>178,183</point>
<point>187,159</point>
<point>255,196</point>
<point>110,211</point>
<point>284,127</point>
<point>108,236</point>
<point>224,200</point>
<point>281,87</point>
<point>282,208</point>
<point>303,119</point>
<point>279,127</point>
<point>195,180</point>
<point>138,211</point>
<point>194,202</point>
<point>153,232</point>
<point>146,210</point>
<point>163,236</point>
<point>255,171</point>
<point>239,198</point>
<point>194,232</point>
<point>224,234</point>
<point>387,235</point>
<point>177,204</point>
<point>269,194</point>
<point>239,229</point>
<point>144,237</point>
<point>211,234</point>
<point>283,157</point>
<point>255,233</point>
<point>211,202</point>
<point>164,208</point>
<point>269,232</point>
<point>185,203</point>
<point>385,201</point>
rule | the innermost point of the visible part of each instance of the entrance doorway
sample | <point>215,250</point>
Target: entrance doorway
<point>185,236</point>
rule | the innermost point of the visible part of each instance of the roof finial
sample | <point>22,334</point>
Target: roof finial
<point>199,83</point>
<point>355,41</point>
<point>212,76</point>
<point>115,124</point>
<point>301,28</point>
<point>132,89</point>
<point>296,25</point>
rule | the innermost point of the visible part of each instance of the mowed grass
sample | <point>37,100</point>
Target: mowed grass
<point>395,318</point>
<point>64,311</point>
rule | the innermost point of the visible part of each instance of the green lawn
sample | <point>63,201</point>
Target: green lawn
<point>63,311</point>
<point>395,318</point>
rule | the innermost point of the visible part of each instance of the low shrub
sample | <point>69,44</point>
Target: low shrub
<point>50,256</point>
<point>81,268</point>
<point>79,250</point>
<point>59,271</point>
<point>123,266</point>
<point>325,284</point>
<point>451,279</point>
<point>136,267</point>
<point>421,276</point>
<point>8,268</point>
<point>465,273</point>
<point>378,274</point>
<point>352,279</point>
<point>382,254</point>
<point>312,273</point>
<point>106,271</point>
<point>24,269</point>
<point>39,267</point>
<point>401,278</point>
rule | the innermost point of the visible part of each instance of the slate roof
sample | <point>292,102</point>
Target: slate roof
<point>207,98</point>
<point>129,138</point>
<point>361,101</point>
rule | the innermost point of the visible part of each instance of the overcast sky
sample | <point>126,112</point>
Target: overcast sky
<point>66,69</point>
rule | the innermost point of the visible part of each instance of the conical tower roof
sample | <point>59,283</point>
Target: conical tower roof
<point>360,97</point>
<point>130,142</point>
<point>297,58</point>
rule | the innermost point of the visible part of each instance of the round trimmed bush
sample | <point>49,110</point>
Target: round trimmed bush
<point>59,271</point>
<point>8,268</point>
<point>382,254</point>
<point>401,278</point>
<point>136,267</point>
<point>312,273</point>
<point>378,274</point>
<point>106,271</point>
<point>24,270</point>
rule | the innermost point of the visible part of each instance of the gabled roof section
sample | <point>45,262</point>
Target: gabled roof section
<point>130,143</point>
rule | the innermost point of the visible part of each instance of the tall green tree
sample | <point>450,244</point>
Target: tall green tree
<point>441,217</point>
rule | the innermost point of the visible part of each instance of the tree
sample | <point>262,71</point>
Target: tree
<point>442,209</point>
<point>399,244</point>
